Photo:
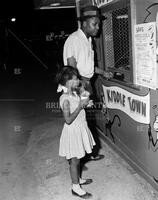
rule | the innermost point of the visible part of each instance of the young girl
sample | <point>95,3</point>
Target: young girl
<point>76,138</point>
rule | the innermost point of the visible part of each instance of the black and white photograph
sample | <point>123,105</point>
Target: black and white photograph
<point>79,99</point>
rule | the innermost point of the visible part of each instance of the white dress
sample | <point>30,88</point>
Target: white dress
<point>76,138</point>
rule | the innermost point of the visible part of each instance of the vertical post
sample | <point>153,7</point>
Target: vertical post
<point>78,12</point>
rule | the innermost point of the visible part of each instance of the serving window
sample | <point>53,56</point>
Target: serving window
<point>117,42</point>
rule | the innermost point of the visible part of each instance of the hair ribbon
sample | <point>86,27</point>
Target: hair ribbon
<point>62,88</point>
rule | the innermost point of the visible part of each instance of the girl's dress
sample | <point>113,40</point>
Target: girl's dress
<point>76,138</point>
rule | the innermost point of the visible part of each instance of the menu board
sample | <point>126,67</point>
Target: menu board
<point>145,54</point>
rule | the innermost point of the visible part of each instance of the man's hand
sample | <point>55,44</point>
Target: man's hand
<point>108,75</point>
<point>100,71</point>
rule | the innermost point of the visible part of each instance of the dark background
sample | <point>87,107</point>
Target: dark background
<point>23,42</point>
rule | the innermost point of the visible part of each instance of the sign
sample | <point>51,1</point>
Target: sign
<point>100,3</point>
<point>137,107</point>
<point>145,54</point>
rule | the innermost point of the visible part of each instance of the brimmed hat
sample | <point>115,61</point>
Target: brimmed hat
<point>90,11</point>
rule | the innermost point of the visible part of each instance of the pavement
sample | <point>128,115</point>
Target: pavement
<point>30,168</point>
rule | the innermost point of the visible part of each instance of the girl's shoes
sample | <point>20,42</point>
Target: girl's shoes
<point>84,196</point>
<point>78,191</point>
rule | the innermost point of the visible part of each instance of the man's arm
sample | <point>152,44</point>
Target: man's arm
<point>72,62</point>
<point>100,71</point>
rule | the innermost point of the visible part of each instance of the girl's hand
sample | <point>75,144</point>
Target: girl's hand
<point>83,103</point>
<point>90,103</point>
<point>85,94</point>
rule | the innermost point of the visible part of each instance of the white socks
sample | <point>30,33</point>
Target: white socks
<point>81,181</point>
<point>76,188</point>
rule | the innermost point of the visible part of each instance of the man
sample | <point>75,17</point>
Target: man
<point>78,50</point>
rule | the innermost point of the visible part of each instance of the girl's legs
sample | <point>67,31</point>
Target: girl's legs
<point>74,170</point>
<point>75,174</point>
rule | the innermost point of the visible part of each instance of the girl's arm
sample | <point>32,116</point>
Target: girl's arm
<point>70,117</point>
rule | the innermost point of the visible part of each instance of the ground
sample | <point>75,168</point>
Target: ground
<point>30,166</point>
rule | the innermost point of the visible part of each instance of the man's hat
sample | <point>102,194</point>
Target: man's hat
<point>90,11</point>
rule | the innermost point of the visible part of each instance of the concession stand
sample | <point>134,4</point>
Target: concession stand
<point>127,117</point>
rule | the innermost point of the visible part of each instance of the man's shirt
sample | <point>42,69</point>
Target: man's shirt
<point>80,47</point>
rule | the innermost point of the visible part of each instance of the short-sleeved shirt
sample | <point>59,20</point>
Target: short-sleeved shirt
<point>80,47</point>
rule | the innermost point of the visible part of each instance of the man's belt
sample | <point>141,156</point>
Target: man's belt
<point>85,78</point>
